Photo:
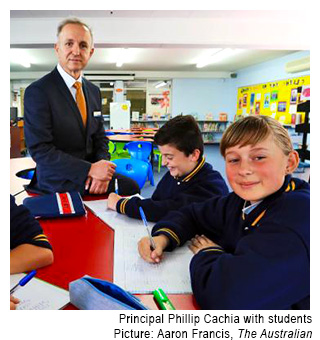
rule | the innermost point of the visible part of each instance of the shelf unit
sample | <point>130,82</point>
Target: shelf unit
<point>211,129</point>
<point>150,123</point>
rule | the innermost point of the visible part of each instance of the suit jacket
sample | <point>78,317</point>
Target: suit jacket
<point>57,140</point>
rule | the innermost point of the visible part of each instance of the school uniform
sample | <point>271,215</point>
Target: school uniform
<point>173,193</point>
<point>263,258</point>
<point>24,229</point>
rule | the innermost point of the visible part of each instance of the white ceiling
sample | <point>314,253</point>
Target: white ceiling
<point>150,59</point>
<point>176,46</point>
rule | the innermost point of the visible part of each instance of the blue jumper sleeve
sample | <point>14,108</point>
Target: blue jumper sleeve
<point>268,270</point>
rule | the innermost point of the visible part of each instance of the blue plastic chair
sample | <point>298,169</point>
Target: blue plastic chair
<point>133,168</point>
<point>141,150</point>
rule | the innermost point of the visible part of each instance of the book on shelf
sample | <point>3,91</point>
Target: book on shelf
<point>135,115</point>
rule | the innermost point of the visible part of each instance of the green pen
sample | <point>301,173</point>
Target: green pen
<point>162,299</point>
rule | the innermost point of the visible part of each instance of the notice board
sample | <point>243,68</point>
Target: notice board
<point>278,99</point>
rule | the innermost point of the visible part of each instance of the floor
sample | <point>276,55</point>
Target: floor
<point>212,155</point>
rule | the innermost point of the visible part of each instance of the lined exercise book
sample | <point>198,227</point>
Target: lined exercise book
<point>131,272</point>
<point>38,294</point>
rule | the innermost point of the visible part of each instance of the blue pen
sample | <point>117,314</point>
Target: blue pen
<point>116,188</point>
<point>143,217</point>
<point>23,281</point>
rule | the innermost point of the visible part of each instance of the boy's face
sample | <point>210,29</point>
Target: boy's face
<point>177,162</point>
<point>257,171</point>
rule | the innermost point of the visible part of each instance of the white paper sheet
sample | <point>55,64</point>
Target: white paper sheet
<point>131,272</point>
<point>112,218</point>
<point>38,294</point>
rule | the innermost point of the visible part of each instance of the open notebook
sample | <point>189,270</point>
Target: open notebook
<point>38,294</point>
<point>131,272</point>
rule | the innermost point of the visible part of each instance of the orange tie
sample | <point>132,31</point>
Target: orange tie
<point>81,102</point>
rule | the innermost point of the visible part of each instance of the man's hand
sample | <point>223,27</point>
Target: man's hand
<point>201,242</point>
<point>13,302</point>
<point>96,187</point>
<point>102,170</point>
<point>153,256</point>
<point>113,200</point>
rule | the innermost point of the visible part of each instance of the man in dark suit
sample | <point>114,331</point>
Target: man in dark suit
<point>63,123</point>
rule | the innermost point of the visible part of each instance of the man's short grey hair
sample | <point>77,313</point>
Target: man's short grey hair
<point>74,21</point>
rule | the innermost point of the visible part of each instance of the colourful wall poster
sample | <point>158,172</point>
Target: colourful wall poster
<point>294,95</point>
<point>244,100</point>
<point>252,99</point>
<point>257,108</point>
<point>305,92</point>
<point>274,96</point>
<point>277,99</point>
<point>282,106</point>
<point>266,102</point>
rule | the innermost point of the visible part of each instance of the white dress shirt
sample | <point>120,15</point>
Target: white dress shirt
<point>69,80</point>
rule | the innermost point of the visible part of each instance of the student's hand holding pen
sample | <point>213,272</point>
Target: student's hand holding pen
<point>113,199</point>
<point>149,255</point>
<point>13,302</point>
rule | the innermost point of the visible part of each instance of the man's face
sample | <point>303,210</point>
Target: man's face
<point>74,48</point>
<point>177,162</point>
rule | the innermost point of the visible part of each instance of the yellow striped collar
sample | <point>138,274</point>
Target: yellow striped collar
<point>195,170</point>
<point>291,186</point>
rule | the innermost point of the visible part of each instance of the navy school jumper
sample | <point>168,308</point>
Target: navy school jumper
<point>24,229</point>
<point>264,258</point>
<point>173,193</point>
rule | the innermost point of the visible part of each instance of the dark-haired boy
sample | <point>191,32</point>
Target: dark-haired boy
<point>189,179</point>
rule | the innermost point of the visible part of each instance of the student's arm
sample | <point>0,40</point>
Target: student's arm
<point>27,257</point>
<point>198,218</point>
<point>268,270</point>
<point>30,248</point>
<point>156,208</point>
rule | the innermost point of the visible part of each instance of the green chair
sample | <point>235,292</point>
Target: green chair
<point>119,151</point>
<point>111,147</point>
<point>157,153</point>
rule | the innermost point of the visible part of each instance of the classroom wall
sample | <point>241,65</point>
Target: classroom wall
<point>202,96</point>
<point>267,71</point>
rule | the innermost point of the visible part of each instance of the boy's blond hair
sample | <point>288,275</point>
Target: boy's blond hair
<point>255,129</point>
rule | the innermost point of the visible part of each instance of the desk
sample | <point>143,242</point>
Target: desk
<point>84,245</point>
